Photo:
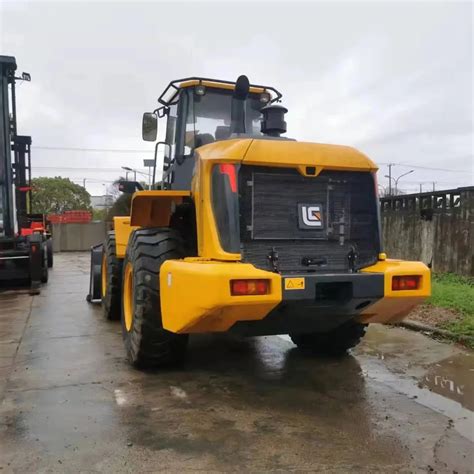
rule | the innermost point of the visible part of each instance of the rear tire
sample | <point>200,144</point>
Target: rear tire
<point>111,281</point>
<point>333,343</point>
<point>147,343</point>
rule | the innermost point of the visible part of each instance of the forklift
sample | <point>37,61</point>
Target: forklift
<point>26,250</point>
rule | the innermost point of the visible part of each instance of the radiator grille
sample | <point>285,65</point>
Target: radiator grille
<point>270,218</point>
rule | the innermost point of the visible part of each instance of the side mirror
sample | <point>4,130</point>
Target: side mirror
<point>149,126</point>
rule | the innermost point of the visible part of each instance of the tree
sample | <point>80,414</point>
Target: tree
<point>56,195</point>
<point>121,207</point>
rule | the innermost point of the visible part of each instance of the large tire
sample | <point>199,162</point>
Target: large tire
<point>49,248</point>
<point>111,280</point>
<point>333,343</point>
<point>146,342</point>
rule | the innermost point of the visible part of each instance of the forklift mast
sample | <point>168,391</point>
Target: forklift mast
<point>7,132</point>
<point>22,178</point>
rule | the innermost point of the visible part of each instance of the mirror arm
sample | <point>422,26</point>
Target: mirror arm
<point>161,112</point>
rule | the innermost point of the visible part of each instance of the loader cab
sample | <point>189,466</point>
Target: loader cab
<point>198,112</point>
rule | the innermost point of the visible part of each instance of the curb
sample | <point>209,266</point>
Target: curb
<point>420,327</point>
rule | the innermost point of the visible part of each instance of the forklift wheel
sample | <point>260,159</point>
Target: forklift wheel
<point>45,266</point>
<point>44,274</point>
<point>49,249</point>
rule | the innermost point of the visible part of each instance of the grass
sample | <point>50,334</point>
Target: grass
<point>457,293</point>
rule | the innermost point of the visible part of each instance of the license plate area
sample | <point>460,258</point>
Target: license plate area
<point>333,291</point>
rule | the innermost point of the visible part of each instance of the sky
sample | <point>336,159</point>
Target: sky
<point>393,80</point>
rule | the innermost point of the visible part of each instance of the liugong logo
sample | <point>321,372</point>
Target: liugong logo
<point>310,216</point>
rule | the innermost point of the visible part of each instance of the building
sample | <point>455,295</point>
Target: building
<point>102,202</point>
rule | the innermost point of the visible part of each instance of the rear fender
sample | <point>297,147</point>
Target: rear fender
<point>154,208</point>
<point>122,229</point>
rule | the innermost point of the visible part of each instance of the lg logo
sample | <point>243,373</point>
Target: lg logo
<point>310,216</point>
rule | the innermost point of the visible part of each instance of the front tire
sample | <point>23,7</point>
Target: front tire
<point>147,343</point>
<point>111,279</point>
<point>333,343</point>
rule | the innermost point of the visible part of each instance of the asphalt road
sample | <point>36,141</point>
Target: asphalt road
<point>69,401</point>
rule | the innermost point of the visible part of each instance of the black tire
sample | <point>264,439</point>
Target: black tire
<point>49,249</point>
<point>44,270</point>
<point>112,299</point>
<point>44,275</point>
<point>333,343</point>
<point>146,342</point>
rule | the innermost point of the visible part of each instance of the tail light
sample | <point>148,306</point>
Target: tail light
<point>406,282</point>
<point>249,287</point>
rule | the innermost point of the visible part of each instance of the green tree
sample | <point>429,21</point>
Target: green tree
<point>56,195</point>
<point>121,207</point>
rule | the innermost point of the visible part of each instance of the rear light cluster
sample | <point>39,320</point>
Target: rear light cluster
<point>406,282</point>
<point>249,287</point>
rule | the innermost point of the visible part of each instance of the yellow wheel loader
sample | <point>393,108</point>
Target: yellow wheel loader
<point>250,232</point>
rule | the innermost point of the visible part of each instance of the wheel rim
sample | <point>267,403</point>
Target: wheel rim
<point>103,271</point>
<point>128,296</point>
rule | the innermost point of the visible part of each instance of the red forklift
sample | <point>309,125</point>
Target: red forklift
<point>26,250</point>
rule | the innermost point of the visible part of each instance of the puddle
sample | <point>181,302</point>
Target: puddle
<point>437,375</point>
<point>453,378</point>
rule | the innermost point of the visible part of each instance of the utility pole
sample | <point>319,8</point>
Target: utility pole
<point>390,179</point>
<point>434,186</point>
<point>421,188</point>
<point>396,181</point>
<point>84,183</point>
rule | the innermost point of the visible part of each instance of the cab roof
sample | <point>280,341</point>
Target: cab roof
<point>173,88</point>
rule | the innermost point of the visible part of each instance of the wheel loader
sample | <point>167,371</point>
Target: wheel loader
<point>248,231</point>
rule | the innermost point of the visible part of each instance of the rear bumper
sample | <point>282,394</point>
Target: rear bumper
<point>195,297</point>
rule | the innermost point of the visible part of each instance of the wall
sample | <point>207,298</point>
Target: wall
<point>437,228</point>
<point>76,237</point>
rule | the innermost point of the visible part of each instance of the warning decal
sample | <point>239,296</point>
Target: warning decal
<point>294,283</point>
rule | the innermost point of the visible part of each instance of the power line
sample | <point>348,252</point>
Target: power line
<point>123,150</point>
<point>76,168</point>
<point>93,150</point>
<point>425,167</point>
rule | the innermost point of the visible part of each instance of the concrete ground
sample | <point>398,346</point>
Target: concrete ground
<point>69,401</point>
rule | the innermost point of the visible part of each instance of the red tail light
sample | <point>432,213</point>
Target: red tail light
<point>249,287</point>
<point>406,282</point>
<point>229,170</point>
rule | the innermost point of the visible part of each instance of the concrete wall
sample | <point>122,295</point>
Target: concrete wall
<point>75,237</point>
<point>436,228</point>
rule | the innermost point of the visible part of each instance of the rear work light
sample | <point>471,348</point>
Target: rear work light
<point>406,282</point>
<point>249,287</point>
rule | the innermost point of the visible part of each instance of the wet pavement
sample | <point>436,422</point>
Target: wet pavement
<point>69,401</point>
